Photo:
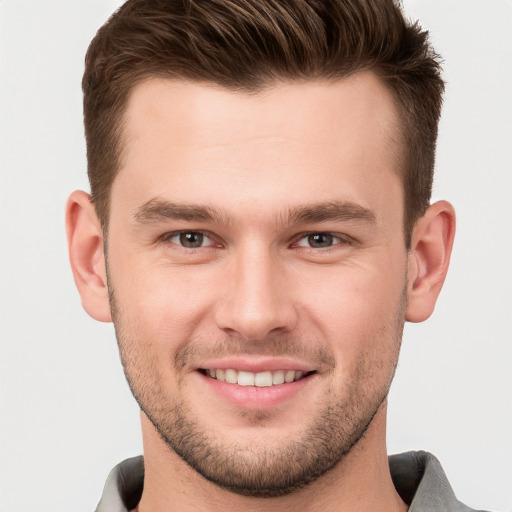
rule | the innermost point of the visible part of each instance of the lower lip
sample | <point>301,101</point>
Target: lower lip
<point>253,397</point>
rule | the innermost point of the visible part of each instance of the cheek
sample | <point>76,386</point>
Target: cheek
<point>360,313</point>
<point>162,304</point>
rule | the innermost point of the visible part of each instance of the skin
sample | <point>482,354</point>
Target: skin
<point>269,168</point>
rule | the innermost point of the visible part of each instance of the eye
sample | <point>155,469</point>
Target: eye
<point>319,240</point>
<point>188,239</point>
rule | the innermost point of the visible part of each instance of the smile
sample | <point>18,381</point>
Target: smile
<point>261,379</point>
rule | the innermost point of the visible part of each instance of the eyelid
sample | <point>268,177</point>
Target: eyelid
<point>341,238</point>
<point>167,238</point>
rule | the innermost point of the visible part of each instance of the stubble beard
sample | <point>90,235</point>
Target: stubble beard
<point>339,423</point>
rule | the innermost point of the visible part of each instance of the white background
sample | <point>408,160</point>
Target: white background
<point>66,413</point>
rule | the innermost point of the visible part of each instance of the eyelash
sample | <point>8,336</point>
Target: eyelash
<point>342,240</point>
<point>167,238</point>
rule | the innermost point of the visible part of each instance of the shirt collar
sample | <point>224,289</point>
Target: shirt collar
<point>418,477</point>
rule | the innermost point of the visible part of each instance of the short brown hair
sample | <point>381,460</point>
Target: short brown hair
<point>247,44</point>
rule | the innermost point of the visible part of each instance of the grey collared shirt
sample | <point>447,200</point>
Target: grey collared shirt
<point>417,476</point>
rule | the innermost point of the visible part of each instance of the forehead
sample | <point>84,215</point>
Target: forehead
<point>293,142</point>
<point>284,108</point>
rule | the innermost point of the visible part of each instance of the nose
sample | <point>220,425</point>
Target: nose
<point>256,300</point>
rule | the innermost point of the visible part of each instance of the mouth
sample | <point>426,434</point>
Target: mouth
<point>261,379</point>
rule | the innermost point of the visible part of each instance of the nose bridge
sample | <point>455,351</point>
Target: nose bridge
<point>256,301</point>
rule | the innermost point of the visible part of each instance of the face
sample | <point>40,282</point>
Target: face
<point>257,269</point>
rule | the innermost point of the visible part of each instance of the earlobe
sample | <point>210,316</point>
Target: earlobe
<point>429,258</point>
<point>85,244</point>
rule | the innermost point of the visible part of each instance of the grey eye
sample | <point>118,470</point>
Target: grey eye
<point>191,240</point>
<point>320,240</point>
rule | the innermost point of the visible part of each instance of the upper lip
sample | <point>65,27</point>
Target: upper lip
<point>256,365</point>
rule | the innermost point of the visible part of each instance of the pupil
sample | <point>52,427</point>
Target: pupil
<point>191,239</point>
<point>320,240</point>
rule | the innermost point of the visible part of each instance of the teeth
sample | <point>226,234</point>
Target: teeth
<point>289,376</point>
<point>262,379</point>
<point>245,378</point>
<point>231,376</point>
<point>278,377</point>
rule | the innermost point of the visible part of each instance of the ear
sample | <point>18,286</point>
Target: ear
<point>428,260</point>
<point>85,244</point>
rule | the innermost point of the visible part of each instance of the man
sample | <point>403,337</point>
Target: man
<point>259,230</point>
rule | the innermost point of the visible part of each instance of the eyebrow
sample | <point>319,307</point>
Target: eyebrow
<point>331,211</point>
<point>158,210</point>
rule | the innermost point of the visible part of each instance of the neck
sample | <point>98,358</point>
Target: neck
<point>360,482</point>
